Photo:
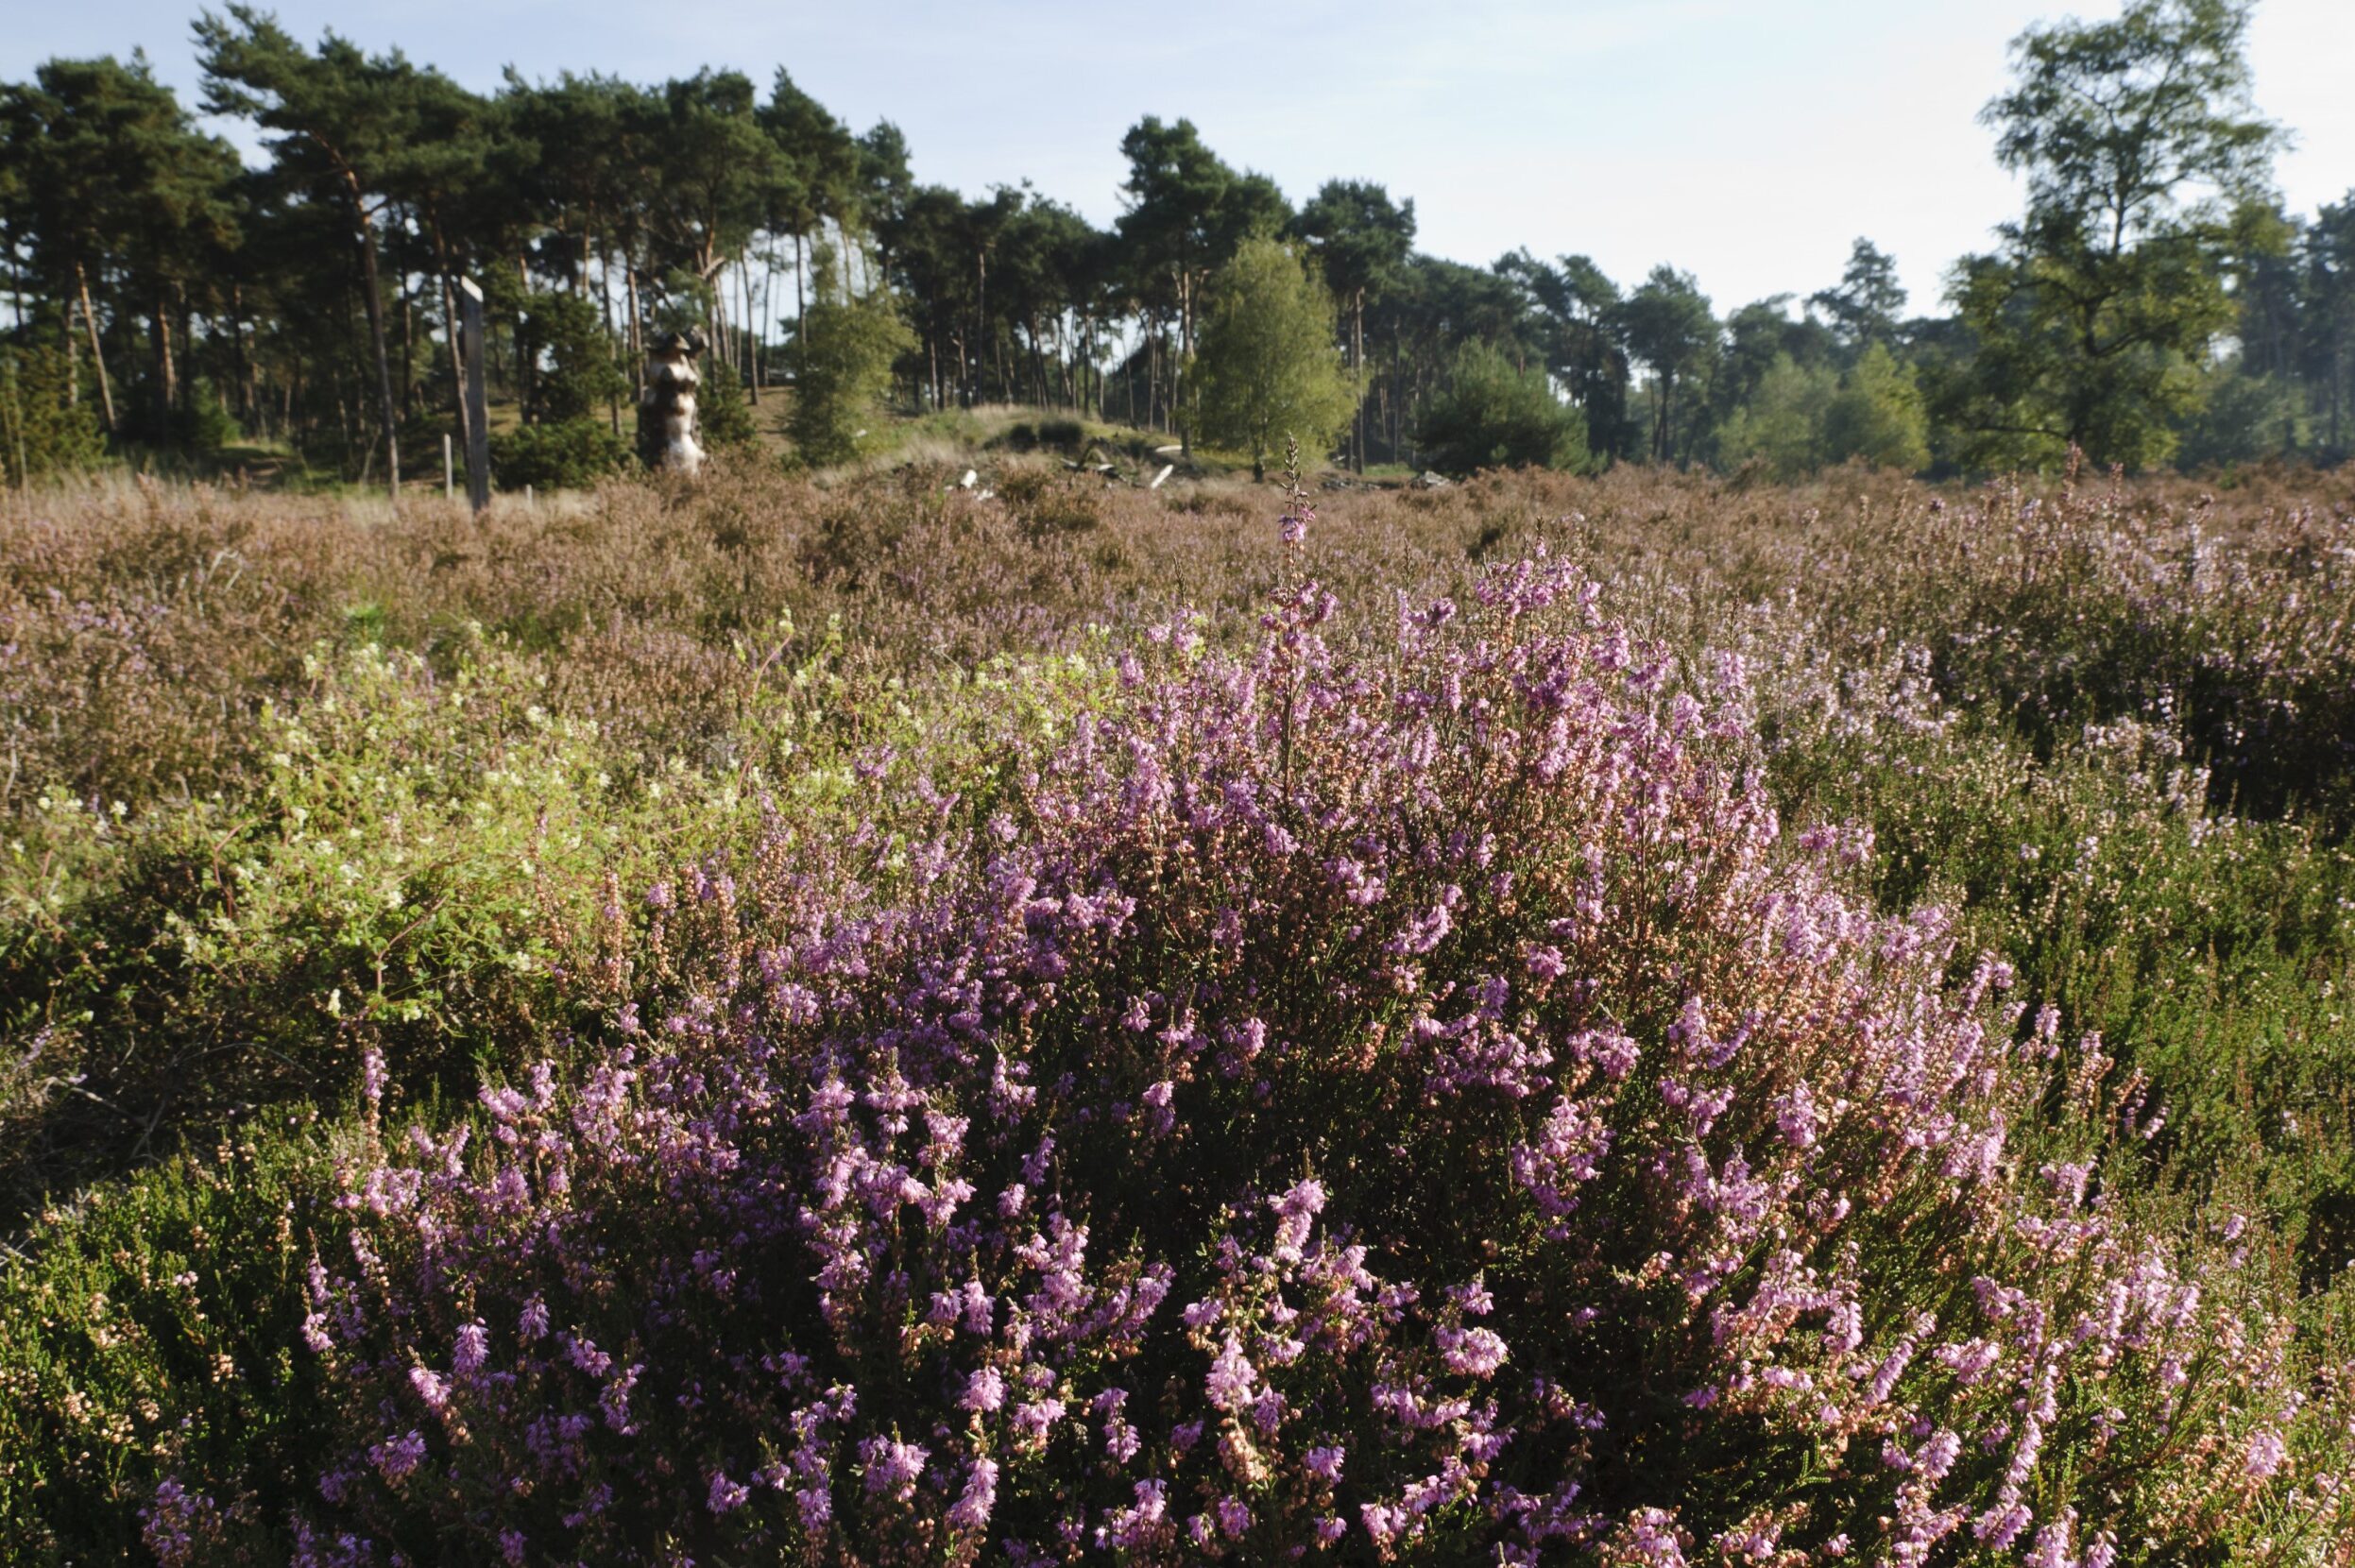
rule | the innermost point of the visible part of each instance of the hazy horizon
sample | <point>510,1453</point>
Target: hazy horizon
<point>1747,148</point>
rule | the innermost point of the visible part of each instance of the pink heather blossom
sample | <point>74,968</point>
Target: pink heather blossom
<point>1232,1381</point>
<point>1304,1199</point>
<point>972,1508</point>
<point>172,1520</point>
<point>985,1391</point>
<point>1037,1418</point>
<point>957,1127</point>
<point>893,1466</point>
<point>395,1457</point>
<point>1472,1351</point>
<point>430,1387</point>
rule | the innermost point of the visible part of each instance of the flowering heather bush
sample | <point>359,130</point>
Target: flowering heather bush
<point>1362,1108</point>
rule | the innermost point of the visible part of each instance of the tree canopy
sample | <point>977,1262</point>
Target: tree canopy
<point>1269,367</point>
<point>2152,302</point>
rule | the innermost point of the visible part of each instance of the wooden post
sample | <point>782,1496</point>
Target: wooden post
<point>449,471</point>
<point>477,403</point>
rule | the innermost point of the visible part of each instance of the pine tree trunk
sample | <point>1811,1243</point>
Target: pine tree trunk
<point>408,348</point>
<point>457,358</point>
<point>1177,365</point>
<point>1358,362</point>
<point>97,355</point>
<point>166,379</point>
<point>638,334</point>
<point>376,336</point>
<point>752,327</point>
<point>604,298</point>
<point>248,404</point>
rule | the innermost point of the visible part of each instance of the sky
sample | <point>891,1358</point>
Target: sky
<point>1746,143</point>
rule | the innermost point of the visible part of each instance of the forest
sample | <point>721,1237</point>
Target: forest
<point>1527,927</point>
<point>2153,305</point>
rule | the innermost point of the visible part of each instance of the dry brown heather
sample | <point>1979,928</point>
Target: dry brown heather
<point>138,623</point>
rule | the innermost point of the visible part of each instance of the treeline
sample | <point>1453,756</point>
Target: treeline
<point>2153,304</point>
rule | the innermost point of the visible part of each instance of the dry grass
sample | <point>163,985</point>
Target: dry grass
<point>138,623</point>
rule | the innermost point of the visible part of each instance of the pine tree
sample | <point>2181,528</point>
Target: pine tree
<point>1496,415</point>
<point>841,359</point>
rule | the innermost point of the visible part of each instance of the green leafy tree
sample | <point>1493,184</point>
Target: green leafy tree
<point>1438,307</point>
<point>2138,140</point>
<point>447,185</point>
<point>1755,337</point>
<point>2327,314</point>
<point>571,164</point>
<point>1878,416</point>
<point>816,176</point>
<point>2242,418</point>
<point>716,168</point>
<point>1803,415</point>
<point>1780,426</point>
<point>840,357</point>
<point>568,440</point>
<point>1494,414</point>
<point>1268,367</point>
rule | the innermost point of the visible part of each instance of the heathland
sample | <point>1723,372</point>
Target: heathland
<point>859,1017</point>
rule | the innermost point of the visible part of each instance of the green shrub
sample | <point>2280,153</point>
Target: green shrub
<point>1494,415</point>
<point>1063,435</point>
<point>152,1330</point>
<point>723,419</point>
<point>1877,416</point>
<point>571,455</point>
<point>42,431</point>
<point>1045,504</point>
<point>419,863</point>
<point>575,375</point>
<point>841,356</point>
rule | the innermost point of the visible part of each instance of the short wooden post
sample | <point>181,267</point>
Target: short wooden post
<point>449,471</point>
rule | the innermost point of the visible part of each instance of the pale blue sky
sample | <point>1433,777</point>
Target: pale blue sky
<point>1744,142</point>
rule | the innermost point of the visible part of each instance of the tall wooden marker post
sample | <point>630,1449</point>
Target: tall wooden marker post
<point>477,403</point>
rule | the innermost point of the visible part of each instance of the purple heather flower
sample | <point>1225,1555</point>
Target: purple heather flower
<point>726,1496</point>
